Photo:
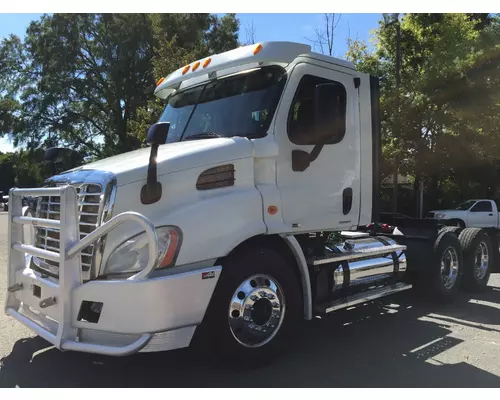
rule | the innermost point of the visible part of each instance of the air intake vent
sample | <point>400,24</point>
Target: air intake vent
<point>217,177</point>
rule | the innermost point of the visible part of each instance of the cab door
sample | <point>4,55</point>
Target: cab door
<point>318,178</point>
<point>481,215</point>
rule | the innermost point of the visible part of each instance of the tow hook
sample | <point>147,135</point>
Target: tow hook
<point>15,288</point>
<point>49,301</point>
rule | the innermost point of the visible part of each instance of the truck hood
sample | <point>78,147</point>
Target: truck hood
<point>173,157</point>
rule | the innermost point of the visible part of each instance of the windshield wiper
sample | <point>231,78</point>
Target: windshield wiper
<point>202,135</point>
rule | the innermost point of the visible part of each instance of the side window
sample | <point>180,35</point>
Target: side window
<point>305,126</point>
<point>482,206</point>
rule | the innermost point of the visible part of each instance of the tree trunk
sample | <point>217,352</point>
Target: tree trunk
<point>396,132</point>
<point>395,192</point>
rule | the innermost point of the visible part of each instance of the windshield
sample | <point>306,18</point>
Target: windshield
<point>239,105</point>
<point>466,205</point>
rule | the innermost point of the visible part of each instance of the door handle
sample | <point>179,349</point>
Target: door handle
<point>491,215</point>
<point>347,200</point>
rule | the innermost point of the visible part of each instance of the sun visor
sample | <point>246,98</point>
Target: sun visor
<point>207,68</point>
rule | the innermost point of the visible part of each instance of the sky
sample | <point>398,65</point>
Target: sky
<point>267,27</point>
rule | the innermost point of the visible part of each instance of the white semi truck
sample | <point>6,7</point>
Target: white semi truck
<point>240,221</point>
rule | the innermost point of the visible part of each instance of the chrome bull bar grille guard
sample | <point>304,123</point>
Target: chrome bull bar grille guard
<point>63,335</point>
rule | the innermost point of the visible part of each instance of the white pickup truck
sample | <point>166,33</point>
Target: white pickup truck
<point>480,213</point>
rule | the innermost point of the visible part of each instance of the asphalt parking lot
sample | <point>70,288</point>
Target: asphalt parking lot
<point>399,341</point>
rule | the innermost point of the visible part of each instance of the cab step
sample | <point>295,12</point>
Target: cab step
<point>362,297</point>
<point>354,254</point>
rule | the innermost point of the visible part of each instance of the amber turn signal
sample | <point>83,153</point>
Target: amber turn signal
<point>272,210</point>
<point>206,62</point>
<point>257,49</point>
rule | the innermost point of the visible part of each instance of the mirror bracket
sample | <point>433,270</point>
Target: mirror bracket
<point>152,190</point>
<point>302,159</point>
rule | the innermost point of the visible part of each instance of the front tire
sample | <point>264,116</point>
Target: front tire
<point>256,308</point>
<point>478,258</point>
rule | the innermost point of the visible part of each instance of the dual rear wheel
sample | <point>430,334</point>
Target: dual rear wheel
<point>462,258</point>
<point>478,258</point>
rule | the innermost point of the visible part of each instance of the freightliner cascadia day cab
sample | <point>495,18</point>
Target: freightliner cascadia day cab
<point>240,220</point>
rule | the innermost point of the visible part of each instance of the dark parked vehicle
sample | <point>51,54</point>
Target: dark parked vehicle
<point>388,222</point>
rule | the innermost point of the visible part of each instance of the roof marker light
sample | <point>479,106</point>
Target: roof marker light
<point>195,66</point>
<point>257,49</point>
<point>186,69</point>
<point>206,62</point>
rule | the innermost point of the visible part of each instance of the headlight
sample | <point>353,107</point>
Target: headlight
<point>439,215</point>
<point>132,255</point>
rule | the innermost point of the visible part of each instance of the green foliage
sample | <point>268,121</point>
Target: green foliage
<point>7,172</point>
<point>180,39</point>
<point>86,81</point>
<point>24,168</point>
<point>443,124</point>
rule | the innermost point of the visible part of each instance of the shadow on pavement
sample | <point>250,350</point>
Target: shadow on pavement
<point>380,344</point>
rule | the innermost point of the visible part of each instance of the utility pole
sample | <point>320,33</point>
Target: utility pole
<point>421,199</point>
<point>389,20</point>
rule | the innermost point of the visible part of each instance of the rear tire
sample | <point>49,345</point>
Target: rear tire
<point>452,229</point>
<point>478,258</point>
<point>256,308</point>
<point>442,280</point>
<point>494,238</point>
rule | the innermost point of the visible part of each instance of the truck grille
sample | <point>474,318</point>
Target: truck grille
<point>90,210</point>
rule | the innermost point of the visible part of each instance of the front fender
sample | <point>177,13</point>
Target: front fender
<point>460,216</point>
<point>213,222</point>
<point>213,227</point>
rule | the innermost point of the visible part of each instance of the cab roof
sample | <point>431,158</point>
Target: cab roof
<point>265,53</point>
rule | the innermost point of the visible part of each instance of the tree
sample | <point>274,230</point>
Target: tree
<point>7,172</point>
<point>250,32</point>
<point>11,63</point>
<point>325,34</point>
<point>85,80</point>
<point>389,21</point>
<point>448,109</point>
<point>179,40</point>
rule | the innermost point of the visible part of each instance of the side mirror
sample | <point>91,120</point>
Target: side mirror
<point>329,123</point>
<point>157,133</point>
<point>329,112</point>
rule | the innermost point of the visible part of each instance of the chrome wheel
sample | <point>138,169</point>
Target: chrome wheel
<point>481,261</point>
<point>256,311</point>
<point>449,267</point>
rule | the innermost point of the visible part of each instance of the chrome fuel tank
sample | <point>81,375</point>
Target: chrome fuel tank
<point>368,270</point>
